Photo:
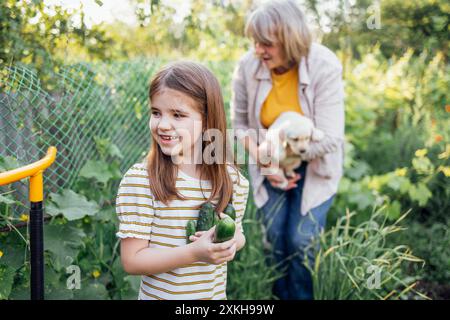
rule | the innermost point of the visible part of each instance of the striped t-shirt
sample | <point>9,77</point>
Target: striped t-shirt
<point>141,216</point>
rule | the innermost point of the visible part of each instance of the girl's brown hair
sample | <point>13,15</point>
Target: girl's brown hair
<point>197,82</point>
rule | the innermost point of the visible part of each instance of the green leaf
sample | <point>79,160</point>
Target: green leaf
<point>59,293</point>
<point>134,281</point>
<point>72,205</point>
<point>93,291</point>
<point>97,170</point>
<point>423,165</point>
<point>130,289</point>
<point>6,281</point>
<point>8,163</point>
<point>363,199</point>
<point>420,193</point>
<point>13,255</point>
<point>64,242</point>
<point>405,185</point>
<point>7,200</point>
<point>394,210</point>
<point>114,151</point>
<point>395,182</point>
<point>359,170</point>
<point>344,185</point>
<point>56,285</point>
<point>106,214</point>
<point>107,149</point>
<point>20,292</point>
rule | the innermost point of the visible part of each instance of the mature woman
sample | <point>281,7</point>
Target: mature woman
<point>287,72</point>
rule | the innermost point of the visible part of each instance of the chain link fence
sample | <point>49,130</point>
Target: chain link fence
<point>80,104</point>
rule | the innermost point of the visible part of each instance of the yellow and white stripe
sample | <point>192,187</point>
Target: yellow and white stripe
<point>143,217</point>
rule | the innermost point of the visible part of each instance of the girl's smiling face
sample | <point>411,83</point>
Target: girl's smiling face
<point>175,122</point>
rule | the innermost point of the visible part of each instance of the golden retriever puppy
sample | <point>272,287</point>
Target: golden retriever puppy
<point>286,140</point>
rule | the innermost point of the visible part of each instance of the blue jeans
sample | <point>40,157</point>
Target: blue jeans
<point>290,235</point>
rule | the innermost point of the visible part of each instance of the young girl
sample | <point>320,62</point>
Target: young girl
<point>158,197</point>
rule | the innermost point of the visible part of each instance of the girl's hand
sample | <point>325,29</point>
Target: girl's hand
<point>198,234</point>
<point>208,251</point>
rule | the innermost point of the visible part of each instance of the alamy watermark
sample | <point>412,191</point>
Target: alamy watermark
<point>371,275</point>
<point>214,146</point>
<point>74,280</point>
<point>373,12</point>
<point>374,19</point>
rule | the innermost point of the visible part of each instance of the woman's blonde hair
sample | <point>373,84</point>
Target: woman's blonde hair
<point>197,82</point>
<point>284,22</point>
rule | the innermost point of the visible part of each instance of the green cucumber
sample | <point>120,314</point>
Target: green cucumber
<point>206,217</point>
<point>190,229</point>
<point>225,229</point>
<point>216,219</point>
<point>229,210</point>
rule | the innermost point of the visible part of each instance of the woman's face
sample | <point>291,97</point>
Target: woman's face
<point>271,54</point>
<point>175,123</point>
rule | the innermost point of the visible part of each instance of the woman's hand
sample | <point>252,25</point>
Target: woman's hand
<point>275,180</point>
<point>208,251</point>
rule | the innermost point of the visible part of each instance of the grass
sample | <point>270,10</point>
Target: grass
<point>356,262</point>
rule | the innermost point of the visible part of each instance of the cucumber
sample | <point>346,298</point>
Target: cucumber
<point>225,230</point>
<point>216,219</point>
<point>206,217</point>
<point>229,210</point>
<point>190,229</point>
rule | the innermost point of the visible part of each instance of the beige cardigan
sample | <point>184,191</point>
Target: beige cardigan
<point>321,97</point>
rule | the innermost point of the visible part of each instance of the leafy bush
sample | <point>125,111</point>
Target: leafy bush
<point>432,243</point>
<point>80,235</point>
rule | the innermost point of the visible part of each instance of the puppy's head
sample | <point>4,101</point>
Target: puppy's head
<point>298,137</point>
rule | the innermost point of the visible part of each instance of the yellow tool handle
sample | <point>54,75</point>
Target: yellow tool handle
<point>34,171</point>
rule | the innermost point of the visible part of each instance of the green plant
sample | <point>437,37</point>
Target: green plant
<point>190,229</point>
<point>251,275</point>
<point>357,262</point>
<point>431,241</point>
<point>79,235</point>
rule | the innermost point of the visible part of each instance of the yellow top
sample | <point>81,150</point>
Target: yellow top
<point>283,97</point>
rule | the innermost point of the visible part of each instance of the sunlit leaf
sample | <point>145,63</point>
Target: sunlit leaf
<point>97,170</point>
<point>64,242</point>
<point>71,205</point>
<point>91,291</point>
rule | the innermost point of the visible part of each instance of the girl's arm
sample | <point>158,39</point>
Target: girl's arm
<point>139,259</point>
